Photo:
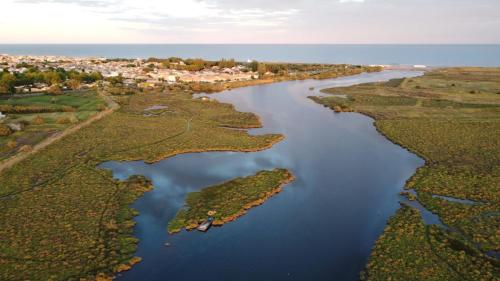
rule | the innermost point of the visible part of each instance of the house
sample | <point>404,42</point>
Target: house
<point>129,82</point>
<point>16,126</point>
<point>171,78</point>
<point>149,84</point>
<point>2,116</point>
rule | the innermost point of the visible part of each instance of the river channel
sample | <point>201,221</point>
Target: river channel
<point>321,227</point>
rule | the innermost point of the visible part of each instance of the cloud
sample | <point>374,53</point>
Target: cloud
<point>351,1</point>
<point>251,21</point>
<point>156,11</point>
<point>85,3</point>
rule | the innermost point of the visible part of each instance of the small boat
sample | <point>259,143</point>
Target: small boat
<point>205,225</point>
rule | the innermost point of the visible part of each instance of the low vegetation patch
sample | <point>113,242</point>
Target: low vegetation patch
<point>227,201</point>
<point>410,250</point>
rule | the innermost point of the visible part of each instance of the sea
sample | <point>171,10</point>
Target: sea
<point>430,55</point>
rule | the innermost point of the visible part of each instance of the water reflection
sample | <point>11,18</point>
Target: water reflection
<point>321,227</point>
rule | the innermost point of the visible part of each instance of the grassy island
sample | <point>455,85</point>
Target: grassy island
<point>227,201</point>
<point>451,118</point>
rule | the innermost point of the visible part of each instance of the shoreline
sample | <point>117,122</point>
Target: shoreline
<point>245,208</point>
<point>81,170</point>
<point>279,139</point>
<point>228,86</point>
<point>422,182</point>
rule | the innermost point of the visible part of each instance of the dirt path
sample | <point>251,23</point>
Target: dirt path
<point>112,106</point>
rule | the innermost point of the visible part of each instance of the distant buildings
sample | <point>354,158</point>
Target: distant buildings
<point>137,72</point>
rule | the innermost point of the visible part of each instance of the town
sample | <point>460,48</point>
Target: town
<point>54,74</point>
<point>141,73</point>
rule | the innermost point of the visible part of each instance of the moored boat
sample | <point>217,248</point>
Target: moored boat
<point>205,225</point>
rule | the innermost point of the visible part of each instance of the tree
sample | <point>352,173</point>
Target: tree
<point>262,69</point>
<point>254,65</point>
<point>195,64</point>
<point>74,84</point>
<point>7,84</point>
<point>51,78</point>
<point>38,120</point>
<point>223,63</point>
<point>4,130</point>
<point>115,80</point>
<point>55,90</point>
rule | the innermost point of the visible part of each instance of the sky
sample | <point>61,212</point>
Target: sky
<point>251,21</point>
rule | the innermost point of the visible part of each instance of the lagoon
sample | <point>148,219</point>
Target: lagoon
<point>321,227</point>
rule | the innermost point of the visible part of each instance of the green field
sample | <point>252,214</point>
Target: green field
<point>227,201</point>
<point>63,219</point>
<point>451,118</point>
<point>43,116</point>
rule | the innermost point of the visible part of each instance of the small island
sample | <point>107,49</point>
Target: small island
<point>227,201</point>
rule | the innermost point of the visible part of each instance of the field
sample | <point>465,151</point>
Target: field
<point>227,201</point>
<point>451,118</point>
<point>43,116</point>
<point>62,218</point>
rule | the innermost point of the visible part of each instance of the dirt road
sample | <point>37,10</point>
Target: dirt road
<point>112,106</point>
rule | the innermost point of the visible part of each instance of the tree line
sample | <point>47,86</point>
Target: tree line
<point>52,77</point>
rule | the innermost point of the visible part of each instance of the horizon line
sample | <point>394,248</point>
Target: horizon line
<point>304,44</point>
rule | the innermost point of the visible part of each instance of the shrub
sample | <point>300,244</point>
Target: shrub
<point>27,109</point>
<point>12,144</point>
<point>38,120</point>
<point>55,90</point>
<point>4,130</point>
<point>68,109</point>
<point>63,120</point>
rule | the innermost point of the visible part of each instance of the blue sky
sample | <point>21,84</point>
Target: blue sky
<point>250,21</point>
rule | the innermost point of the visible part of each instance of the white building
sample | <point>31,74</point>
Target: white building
<point>172,79</point>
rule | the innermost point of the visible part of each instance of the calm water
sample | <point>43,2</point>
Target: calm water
<point>433,55</point>
<point>321,227</point>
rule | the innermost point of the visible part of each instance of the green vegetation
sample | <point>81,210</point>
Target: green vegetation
<point>450,117</point>
<point>64,219</point>
<point>227,201</point>
<point>410,250</point>
<point>8,81</point>
<point>41,116</point>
